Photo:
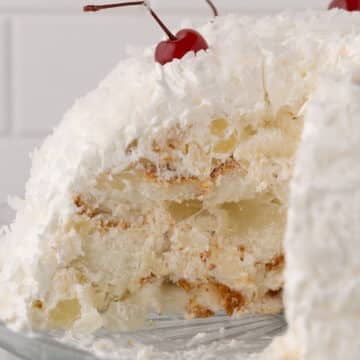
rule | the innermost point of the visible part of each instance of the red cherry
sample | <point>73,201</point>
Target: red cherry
<point>186,40</point>
<point>177,46</point>
<point>350,5</point>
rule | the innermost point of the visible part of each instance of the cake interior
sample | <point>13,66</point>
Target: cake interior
<point>195,227</point>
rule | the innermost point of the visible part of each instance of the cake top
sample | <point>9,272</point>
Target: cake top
<point>252,63</point>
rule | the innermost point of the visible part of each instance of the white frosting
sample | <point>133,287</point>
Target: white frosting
<point>253,65</point>
<point>322,240</point>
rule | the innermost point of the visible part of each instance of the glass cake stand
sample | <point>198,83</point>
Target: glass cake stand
<point>166,338</point>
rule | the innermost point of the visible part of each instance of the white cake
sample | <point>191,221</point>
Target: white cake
<point>166,189</point>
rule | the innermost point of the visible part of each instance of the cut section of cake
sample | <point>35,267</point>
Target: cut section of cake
<point>166,189</point>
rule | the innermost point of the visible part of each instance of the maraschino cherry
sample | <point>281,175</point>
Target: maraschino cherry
<point>350,5</point>
<point>177,46</point>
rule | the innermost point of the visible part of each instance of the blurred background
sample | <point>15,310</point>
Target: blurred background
<point>52,53</point>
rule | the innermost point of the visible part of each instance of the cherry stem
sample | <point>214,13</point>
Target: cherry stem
<point>213,7</point>
<point>94,8</point>
<point>162,25</point>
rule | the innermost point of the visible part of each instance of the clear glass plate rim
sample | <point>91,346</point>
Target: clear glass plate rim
<point>42,345</point>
